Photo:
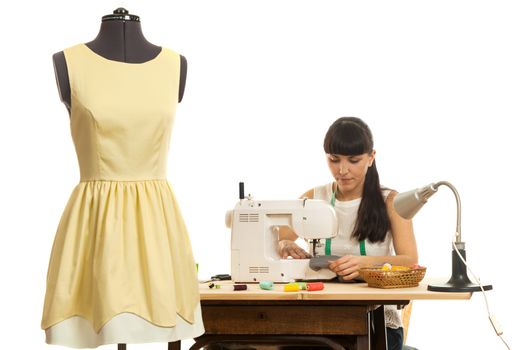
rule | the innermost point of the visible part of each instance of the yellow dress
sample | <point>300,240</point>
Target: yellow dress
<point>121,268</point>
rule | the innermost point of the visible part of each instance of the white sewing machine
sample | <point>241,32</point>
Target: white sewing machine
<point>254,241</point>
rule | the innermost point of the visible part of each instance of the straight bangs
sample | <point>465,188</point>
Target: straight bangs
<point>347,139</point>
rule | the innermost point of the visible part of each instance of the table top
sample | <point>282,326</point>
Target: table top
<point>331,291</point>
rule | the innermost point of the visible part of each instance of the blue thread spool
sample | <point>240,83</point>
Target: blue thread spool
<point>266,285</point>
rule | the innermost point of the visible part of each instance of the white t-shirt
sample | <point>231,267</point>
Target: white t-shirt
<point>344,244</point>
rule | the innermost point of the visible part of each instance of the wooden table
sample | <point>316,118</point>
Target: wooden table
<point>350,313</point>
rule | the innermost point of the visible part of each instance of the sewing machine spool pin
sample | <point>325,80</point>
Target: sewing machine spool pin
<point>241,190</point>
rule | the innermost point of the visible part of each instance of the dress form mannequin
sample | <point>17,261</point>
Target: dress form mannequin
<point>120,39</point>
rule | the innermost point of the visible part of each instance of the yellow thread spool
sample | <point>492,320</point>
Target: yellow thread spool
<point>291,287</point>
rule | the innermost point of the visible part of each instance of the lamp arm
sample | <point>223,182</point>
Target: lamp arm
<point>458,204</point>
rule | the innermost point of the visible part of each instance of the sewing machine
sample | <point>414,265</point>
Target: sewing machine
<point>254,239</point>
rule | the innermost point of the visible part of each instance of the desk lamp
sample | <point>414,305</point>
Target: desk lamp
<point>407,204</point>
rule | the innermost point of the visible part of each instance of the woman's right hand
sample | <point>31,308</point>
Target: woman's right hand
<point>290,248</point>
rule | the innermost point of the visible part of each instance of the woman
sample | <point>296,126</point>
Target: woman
<point>370,232</point>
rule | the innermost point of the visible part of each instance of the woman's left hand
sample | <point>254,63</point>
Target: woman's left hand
<point>348,266</point>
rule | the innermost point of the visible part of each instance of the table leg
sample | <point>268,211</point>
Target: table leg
<point>376,337</point>
<point>174,345</point>
<point>379,341</point>
<point>363,342</point>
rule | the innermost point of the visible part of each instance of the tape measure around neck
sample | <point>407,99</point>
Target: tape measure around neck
<point>328,242</point>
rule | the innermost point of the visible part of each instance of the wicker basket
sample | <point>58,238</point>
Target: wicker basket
<point>379,278</point>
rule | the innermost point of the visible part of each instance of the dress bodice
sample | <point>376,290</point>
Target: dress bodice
<point>121,114</point>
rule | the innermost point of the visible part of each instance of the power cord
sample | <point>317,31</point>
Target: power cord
<point>495,324</point>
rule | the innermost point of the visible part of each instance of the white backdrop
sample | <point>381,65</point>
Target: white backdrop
<point>440,83</point>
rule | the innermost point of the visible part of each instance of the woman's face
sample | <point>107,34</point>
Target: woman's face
<point>349,172</point>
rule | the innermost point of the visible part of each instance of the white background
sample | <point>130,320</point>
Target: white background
<point>441,84</point>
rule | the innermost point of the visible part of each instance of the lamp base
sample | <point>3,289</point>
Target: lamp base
<point>457,287</point>
<point>459,282</point>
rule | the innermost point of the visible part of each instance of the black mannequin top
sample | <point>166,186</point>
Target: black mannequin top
<point>120,39</point>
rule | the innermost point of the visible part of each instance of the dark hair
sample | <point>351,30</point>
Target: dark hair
<point>351,136</point>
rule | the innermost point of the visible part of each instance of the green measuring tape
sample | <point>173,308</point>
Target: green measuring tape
<point>328,242</point>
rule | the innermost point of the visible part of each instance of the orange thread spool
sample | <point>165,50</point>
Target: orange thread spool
<point>314,286</point>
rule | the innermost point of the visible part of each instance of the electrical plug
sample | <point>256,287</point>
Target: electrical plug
<point>497,327</point>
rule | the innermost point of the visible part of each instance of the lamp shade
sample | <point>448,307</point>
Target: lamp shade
<point>407,204</point>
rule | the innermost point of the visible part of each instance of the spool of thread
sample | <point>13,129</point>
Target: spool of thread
<point>302,285</point>
<point>291,287</point>
<point>314,286</point>
<point>266,285</point>
<point>240,287</point>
